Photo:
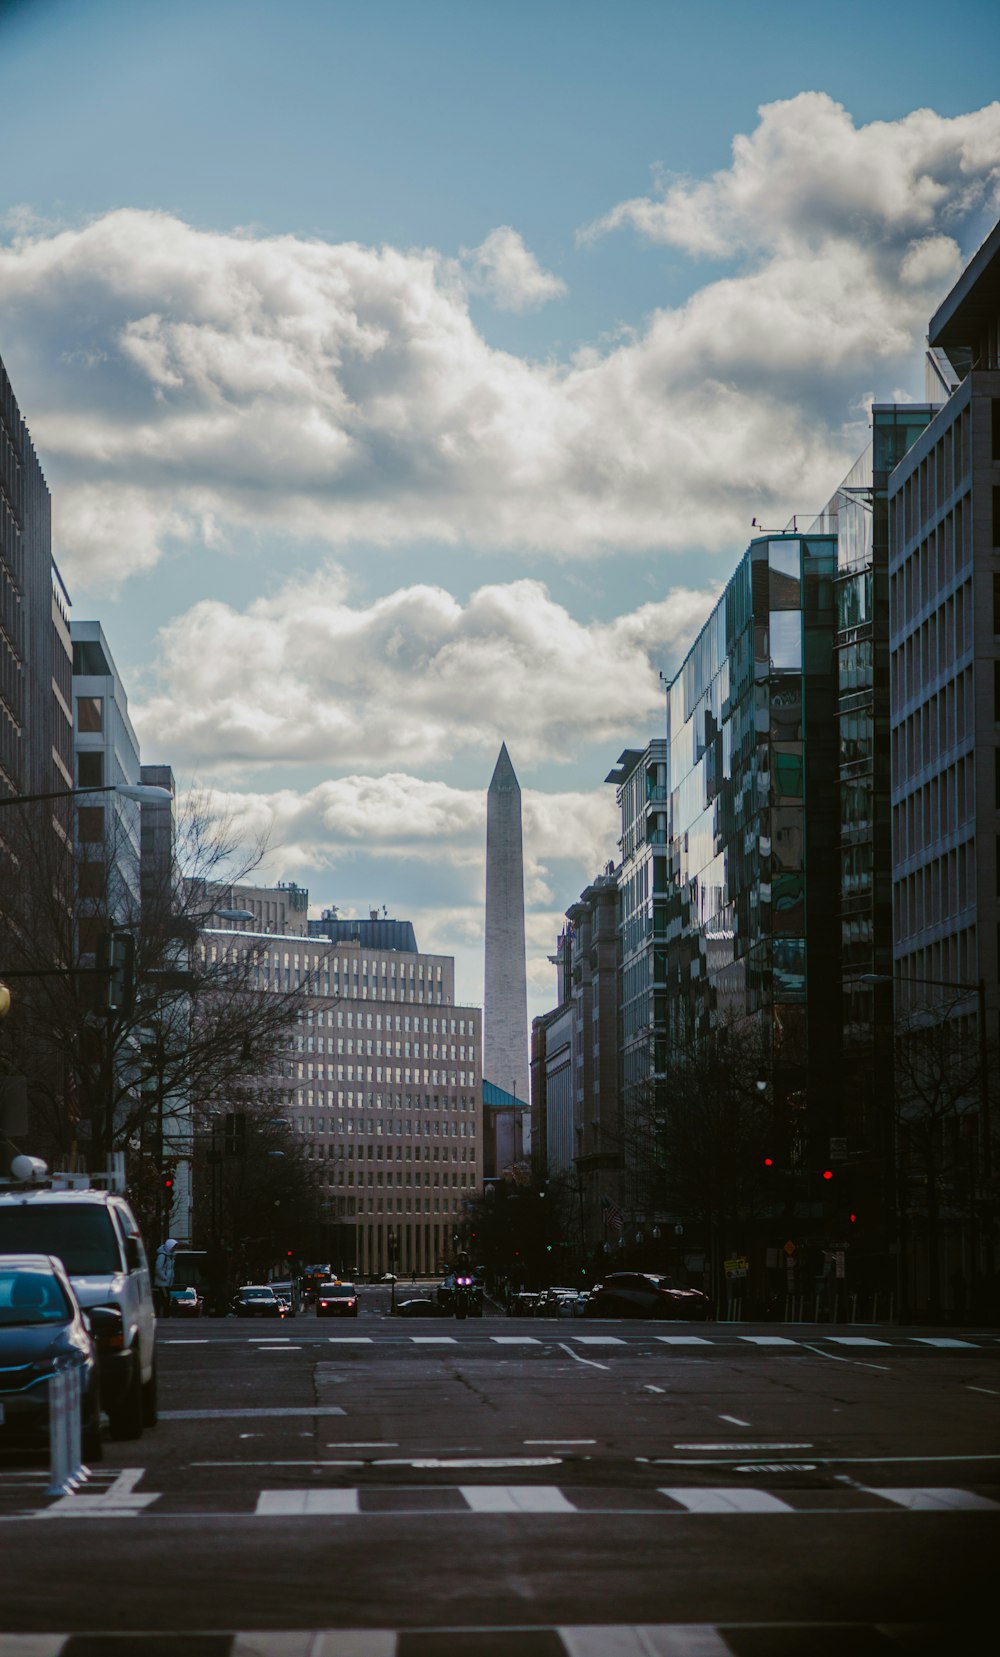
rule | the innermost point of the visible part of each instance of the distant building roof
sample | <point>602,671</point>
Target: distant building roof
<point>371,934</point>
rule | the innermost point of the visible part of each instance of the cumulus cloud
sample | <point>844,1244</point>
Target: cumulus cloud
<point>178,380</point>
<point>807,176</point>
<point>414,677</point>
<point>507,272</point>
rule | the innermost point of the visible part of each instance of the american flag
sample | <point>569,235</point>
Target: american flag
<point>613,1215</point>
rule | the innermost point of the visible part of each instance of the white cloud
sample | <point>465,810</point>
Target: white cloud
<point>414,678</point>
<point>507,272</point>
<point>176,378</point>
<point>807,176</point>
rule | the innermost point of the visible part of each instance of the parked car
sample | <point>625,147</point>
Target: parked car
<point>337,1300</point>
<point>645,1295</point>
<point>554,1303</point>
<point>95,1235</point>
<point>42,1329</point>
<point>417,1308</point>
<point>257,1300</point>
<point>185,1302</point>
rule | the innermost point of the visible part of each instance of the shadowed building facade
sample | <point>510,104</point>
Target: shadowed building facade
<point>505,1015</point>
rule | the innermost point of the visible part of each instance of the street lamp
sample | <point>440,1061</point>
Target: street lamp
<point>144,793</point>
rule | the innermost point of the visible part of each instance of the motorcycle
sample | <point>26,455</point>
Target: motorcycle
<point>463,1296</point>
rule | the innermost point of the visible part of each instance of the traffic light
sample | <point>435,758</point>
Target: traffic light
<point>828,1173</point>
<point>168,1182</point>
<point>116,960</point>
<point>769,1162</point>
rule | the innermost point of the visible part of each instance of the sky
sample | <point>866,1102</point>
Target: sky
<point>407,374</point>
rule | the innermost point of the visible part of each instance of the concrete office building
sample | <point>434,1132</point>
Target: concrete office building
<point>944,571</point>
<point>106,751</point>
<point>384,1085</point>
<point>505,1010</point>
<point>36,720</point>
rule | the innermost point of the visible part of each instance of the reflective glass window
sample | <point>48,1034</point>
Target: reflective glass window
<point>786,639</point>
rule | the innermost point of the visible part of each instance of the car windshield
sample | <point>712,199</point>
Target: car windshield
<point>337,1291</point>
<point>31,1294</point>
<point>256,1294</point>
<point>83,1237</point>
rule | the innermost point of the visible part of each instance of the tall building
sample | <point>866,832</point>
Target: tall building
<point>106,752</point>
<point>505,1011</point>
<point>384,1085</point>
<point>36,717</point>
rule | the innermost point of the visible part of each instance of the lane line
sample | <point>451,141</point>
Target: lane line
<point>590,1362</point>
<point>726,1501</point>
<point>742,1449</point>
<point>835,1358</point>
<point>560,1441</point>
<point>735,1419</point>
<point>239,1413</point>
<point>991,1390</point>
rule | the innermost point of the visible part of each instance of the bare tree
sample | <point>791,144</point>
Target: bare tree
<point>110,1072</point>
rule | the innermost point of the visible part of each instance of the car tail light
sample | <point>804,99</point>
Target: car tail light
<point>324,1303</point>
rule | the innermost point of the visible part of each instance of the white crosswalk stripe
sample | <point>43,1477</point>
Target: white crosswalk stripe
<point>938,1500</point>
<point>515,1498</point>
<point>273,1504</point>
<point>726,1501</point>
<point>684,1340</point>
<point>516,1340</point>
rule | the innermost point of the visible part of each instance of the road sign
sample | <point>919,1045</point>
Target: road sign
<point>838,1150</point>
<point>789,1248</point>
<point>737,1267</point>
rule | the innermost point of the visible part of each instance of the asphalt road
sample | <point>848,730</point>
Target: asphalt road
<point>538,1487</point>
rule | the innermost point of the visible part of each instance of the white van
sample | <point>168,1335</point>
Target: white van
<point>95,1235</point>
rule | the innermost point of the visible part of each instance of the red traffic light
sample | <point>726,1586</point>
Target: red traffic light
<point>827,1173</point>
<point>168,1182</point>
<point>853,1218</point>
<point>769,1162</point>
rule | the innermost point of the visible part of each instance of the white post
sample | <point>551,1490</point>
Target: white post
<point>65,1467</point>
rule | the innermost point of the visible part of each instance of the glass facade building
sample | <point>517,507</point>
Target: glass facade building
<point>747,922</point>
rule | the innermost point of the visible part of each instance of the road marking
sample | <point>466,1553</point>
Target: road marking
<point>726,1501</point>
<point>468,1461</point>
<point>282,1349</point>
<point>649,1387</point>
<point>768,1340</point>
<point>118,1501</point>
<point>932,1500</point>
<point>274,1504</point>
<point>856,1340</point>
<point>742,1448</point>
<point>241,1414</point>
<point>591,1362</point>
<point>835,1358</point>
<point>735,1419</point>
<point>266,1340</point>
<point>433,1340</point>
<point>776,1467</point>
<point>560,1441</point>
<point>943,1340</point>
<point>684,1340</point>
<point>991,1390</point>
<point>515,1498</point>
<point>672,1640</point>
<point>364,1444</point>
<point>599,1340</point>
<point>349,1340</point>
<point>174,1342</point>
<point>516,1340</point>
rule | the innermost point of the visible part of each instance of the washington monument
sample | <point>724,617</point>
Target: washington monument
<point>505,1014</point>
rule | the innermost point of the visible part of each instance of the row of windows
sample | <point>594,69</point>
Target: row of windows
<point>931,895</point>
<point>934,812</point>
<point>406,1023</point>
<point>952,959</point>
<point>934,480</point>
<point>383,1073</point>
<point>933,647</point>
<point>404,1205</point>
<point>941,723</point>
<point>375,1177</point>
<point>440,1129</point>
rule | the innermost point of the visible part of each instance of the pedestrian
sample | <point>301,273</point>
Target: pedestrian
<point>163,1276</point>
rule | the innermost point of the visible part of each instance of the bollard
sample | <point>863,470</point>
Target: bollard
<point>65,1465</point>
<point>854,1308</point>
<point>875,1308</point>
<point>816,1311</point>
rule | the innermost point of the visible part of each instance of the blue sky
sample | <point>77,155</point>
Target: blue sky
<point>407,374</point>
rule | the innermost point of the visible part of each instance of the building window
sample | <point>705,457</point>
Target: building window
<point>90,769</point>
<point>90,713</point>
<point>90,824</point>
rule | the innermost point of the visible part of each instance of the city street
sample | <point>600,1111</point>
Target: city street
<point>597,1487</point>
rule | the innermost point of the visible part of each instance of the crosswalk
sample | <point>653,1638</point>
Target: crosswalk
<point>603,1640</point>
<point>561,1334</point>
<point>117,1497</point>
